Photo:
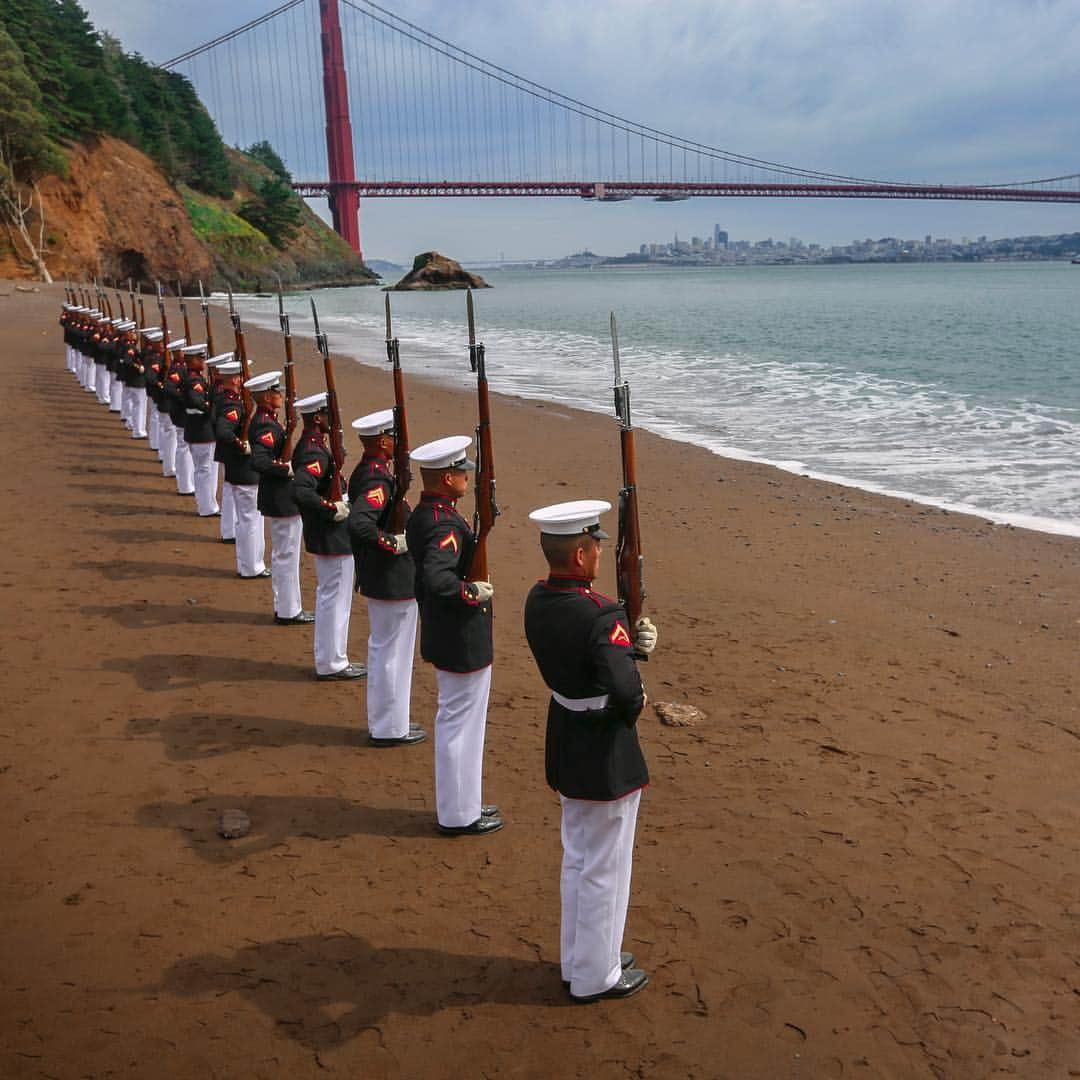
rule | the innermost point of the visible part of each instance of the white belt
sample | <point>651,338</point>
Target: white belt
<point>581,704</point>
<point>195,412</point>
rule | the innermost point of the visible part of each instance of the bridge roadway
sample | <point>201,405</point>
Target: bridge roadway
<point>666,191</point>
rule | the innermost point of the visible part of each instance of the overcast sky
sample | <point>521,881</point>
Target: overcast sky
<point>949,91</point>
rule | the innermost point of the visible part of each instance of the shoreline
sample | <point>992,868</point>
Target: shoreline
<point>862,860</point>
<point>370,341</point>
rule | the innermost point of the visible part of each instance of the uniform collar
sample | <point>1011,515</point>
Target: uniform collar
<point>438,497</point>
<point>568,581</point>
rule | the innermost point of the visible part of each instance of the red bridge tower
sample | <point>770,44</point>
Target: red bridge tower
<point>344,198</point>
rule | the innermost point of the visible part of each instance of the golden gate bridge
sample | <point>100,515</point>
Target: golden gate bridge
<point>433,119</point>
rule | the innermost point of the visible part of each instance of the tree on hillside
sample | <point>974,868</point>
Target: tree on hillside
<point>266,155</point>
<point>274,210</point>
<point>25,153</point>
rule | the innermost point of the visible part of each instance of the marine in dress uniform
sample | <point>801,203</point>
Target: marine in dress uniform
<point>217,399</point>
<point>326,538</point>
<point>384,575</point>
<point>151,352</point>
<point>199,431</point>
<point>593,759</point>
<point>455,635</point>
<point>113,357</point>
<point>101,370</point>
<point>266,437</point>
<point>171,404</point>
<point>241,479</point>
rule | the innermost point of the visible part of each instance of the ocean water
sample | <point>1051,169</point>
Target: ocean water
<point>955,385</point>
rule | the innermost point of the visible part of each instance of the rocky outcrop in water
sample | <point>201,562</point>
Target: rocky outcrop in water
<point>434,271</point>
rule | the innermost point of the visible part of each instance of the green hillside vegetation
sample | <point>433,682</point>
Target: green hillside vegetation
<point>84,84</point>
<point>306,251</point>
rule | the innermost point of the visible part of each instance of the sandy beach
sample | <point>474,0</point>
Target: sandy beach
<point>864,862</point>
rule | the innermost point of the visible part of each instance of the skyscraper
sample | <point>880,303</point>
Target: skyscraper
<point>719,238</point>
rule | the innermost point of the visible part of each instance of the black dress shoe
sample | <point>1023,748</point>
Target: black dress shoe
<point>353,671</point>
<point>296,620</point>
<point>630,982</point>
<point>415,735</point>
<point>228,539</point>
<point>480,826</point>
<point>626,960</point>
<point>489,811</point>
<point>252,577</point>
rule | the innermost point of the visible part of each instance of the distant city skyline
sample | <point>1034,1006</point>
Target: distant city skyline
<point>951,92</point>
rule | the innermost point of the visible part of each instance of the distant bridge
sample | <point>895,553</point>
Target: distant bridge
<point>435,120</point>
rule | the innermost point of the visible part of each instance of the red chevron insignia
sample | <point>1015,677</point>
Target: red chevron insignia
<point>267,438</point>
<point>376,496</point>
<point>450,540</point>
<point>619,636</point>
<point>314,467</point>
<point>233,415</point>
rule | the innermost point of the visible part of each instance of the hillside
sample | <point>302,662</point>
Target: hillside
<point>112,168</point>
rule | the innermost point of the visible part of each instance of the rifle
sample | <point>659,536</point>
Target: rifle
<point>629,561</point>
<point>183,311</point>
<point>402,472</point>
<point>245,371</point>
<point>337,436</point>
<point>290,377</point>
<point>120,301</point>
<point>206,316</point>
<point>142,312</point>
<point>164,336</point>
<point>486,508</point>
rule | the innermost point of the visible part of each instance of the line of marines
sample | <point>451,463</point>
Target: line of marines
<point>190,408</point>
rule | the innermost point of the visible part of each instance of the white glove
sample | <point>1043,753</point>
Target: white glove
<point>481,591</point>
<point>645,635</point>
<point>244,447</point>
<point>341,510</point>
<point>401,545</point>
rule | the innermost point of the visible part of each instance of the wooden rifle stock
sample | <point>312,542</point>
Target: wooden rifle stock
<point>487,509</point>
<point>402,468</point>
<point>164,362</point>
<point>245,371</point>
<point>183,312</point>
<point>337,436</point>
<point>629,561</point>
<point>291,423</point>
<point>203,303</point>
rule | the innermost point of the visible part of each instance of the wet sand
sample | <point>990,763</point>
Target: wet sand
<point>864,862</point>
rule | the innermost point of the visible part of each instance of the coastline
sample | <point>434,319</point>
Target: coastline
<point>370,343</point>
<point>863,859</point>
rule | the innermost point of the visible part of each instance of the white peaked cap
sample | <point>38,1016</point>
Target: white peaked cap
<point>94,313</point>
<point>148,330</point>
<point>129,325</point>
<point>228,367</point>
<point>270,380</point>
<point>117,322</point>
<point>448,453</point>
<point>311,404</point>
<point>191,350</point>
<point>153,335</point>
<point>177,343</point>
<point>572,518</point>
<point>221,358</point>
<point>376,423</point>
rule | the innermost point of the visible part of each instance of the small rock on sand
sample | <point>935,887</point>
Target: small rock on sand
<point>234,824</point>
<point>675,715</point>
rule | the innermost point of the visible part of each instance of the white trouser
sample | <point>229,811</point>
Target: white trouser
<point>228,510</point>
<point>459,744</point>
<point>89,380</point>
<point>101,383</point>
<point>153,424</point>
<point>185,467</point>
<point>116,395</point>
<point>167,444</point>
<point>205,478</point>
<point>250,535</point>
<point>285,536</point>
<point>333,606</point>
<point>125,404</point>
<point>598,849</point>
<point>137,412</point>
<point>390,646</point>
<point>70,357</point>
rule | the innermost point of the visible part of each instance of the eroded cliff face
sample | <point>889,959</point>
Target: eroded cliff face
<point>114,216</point>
